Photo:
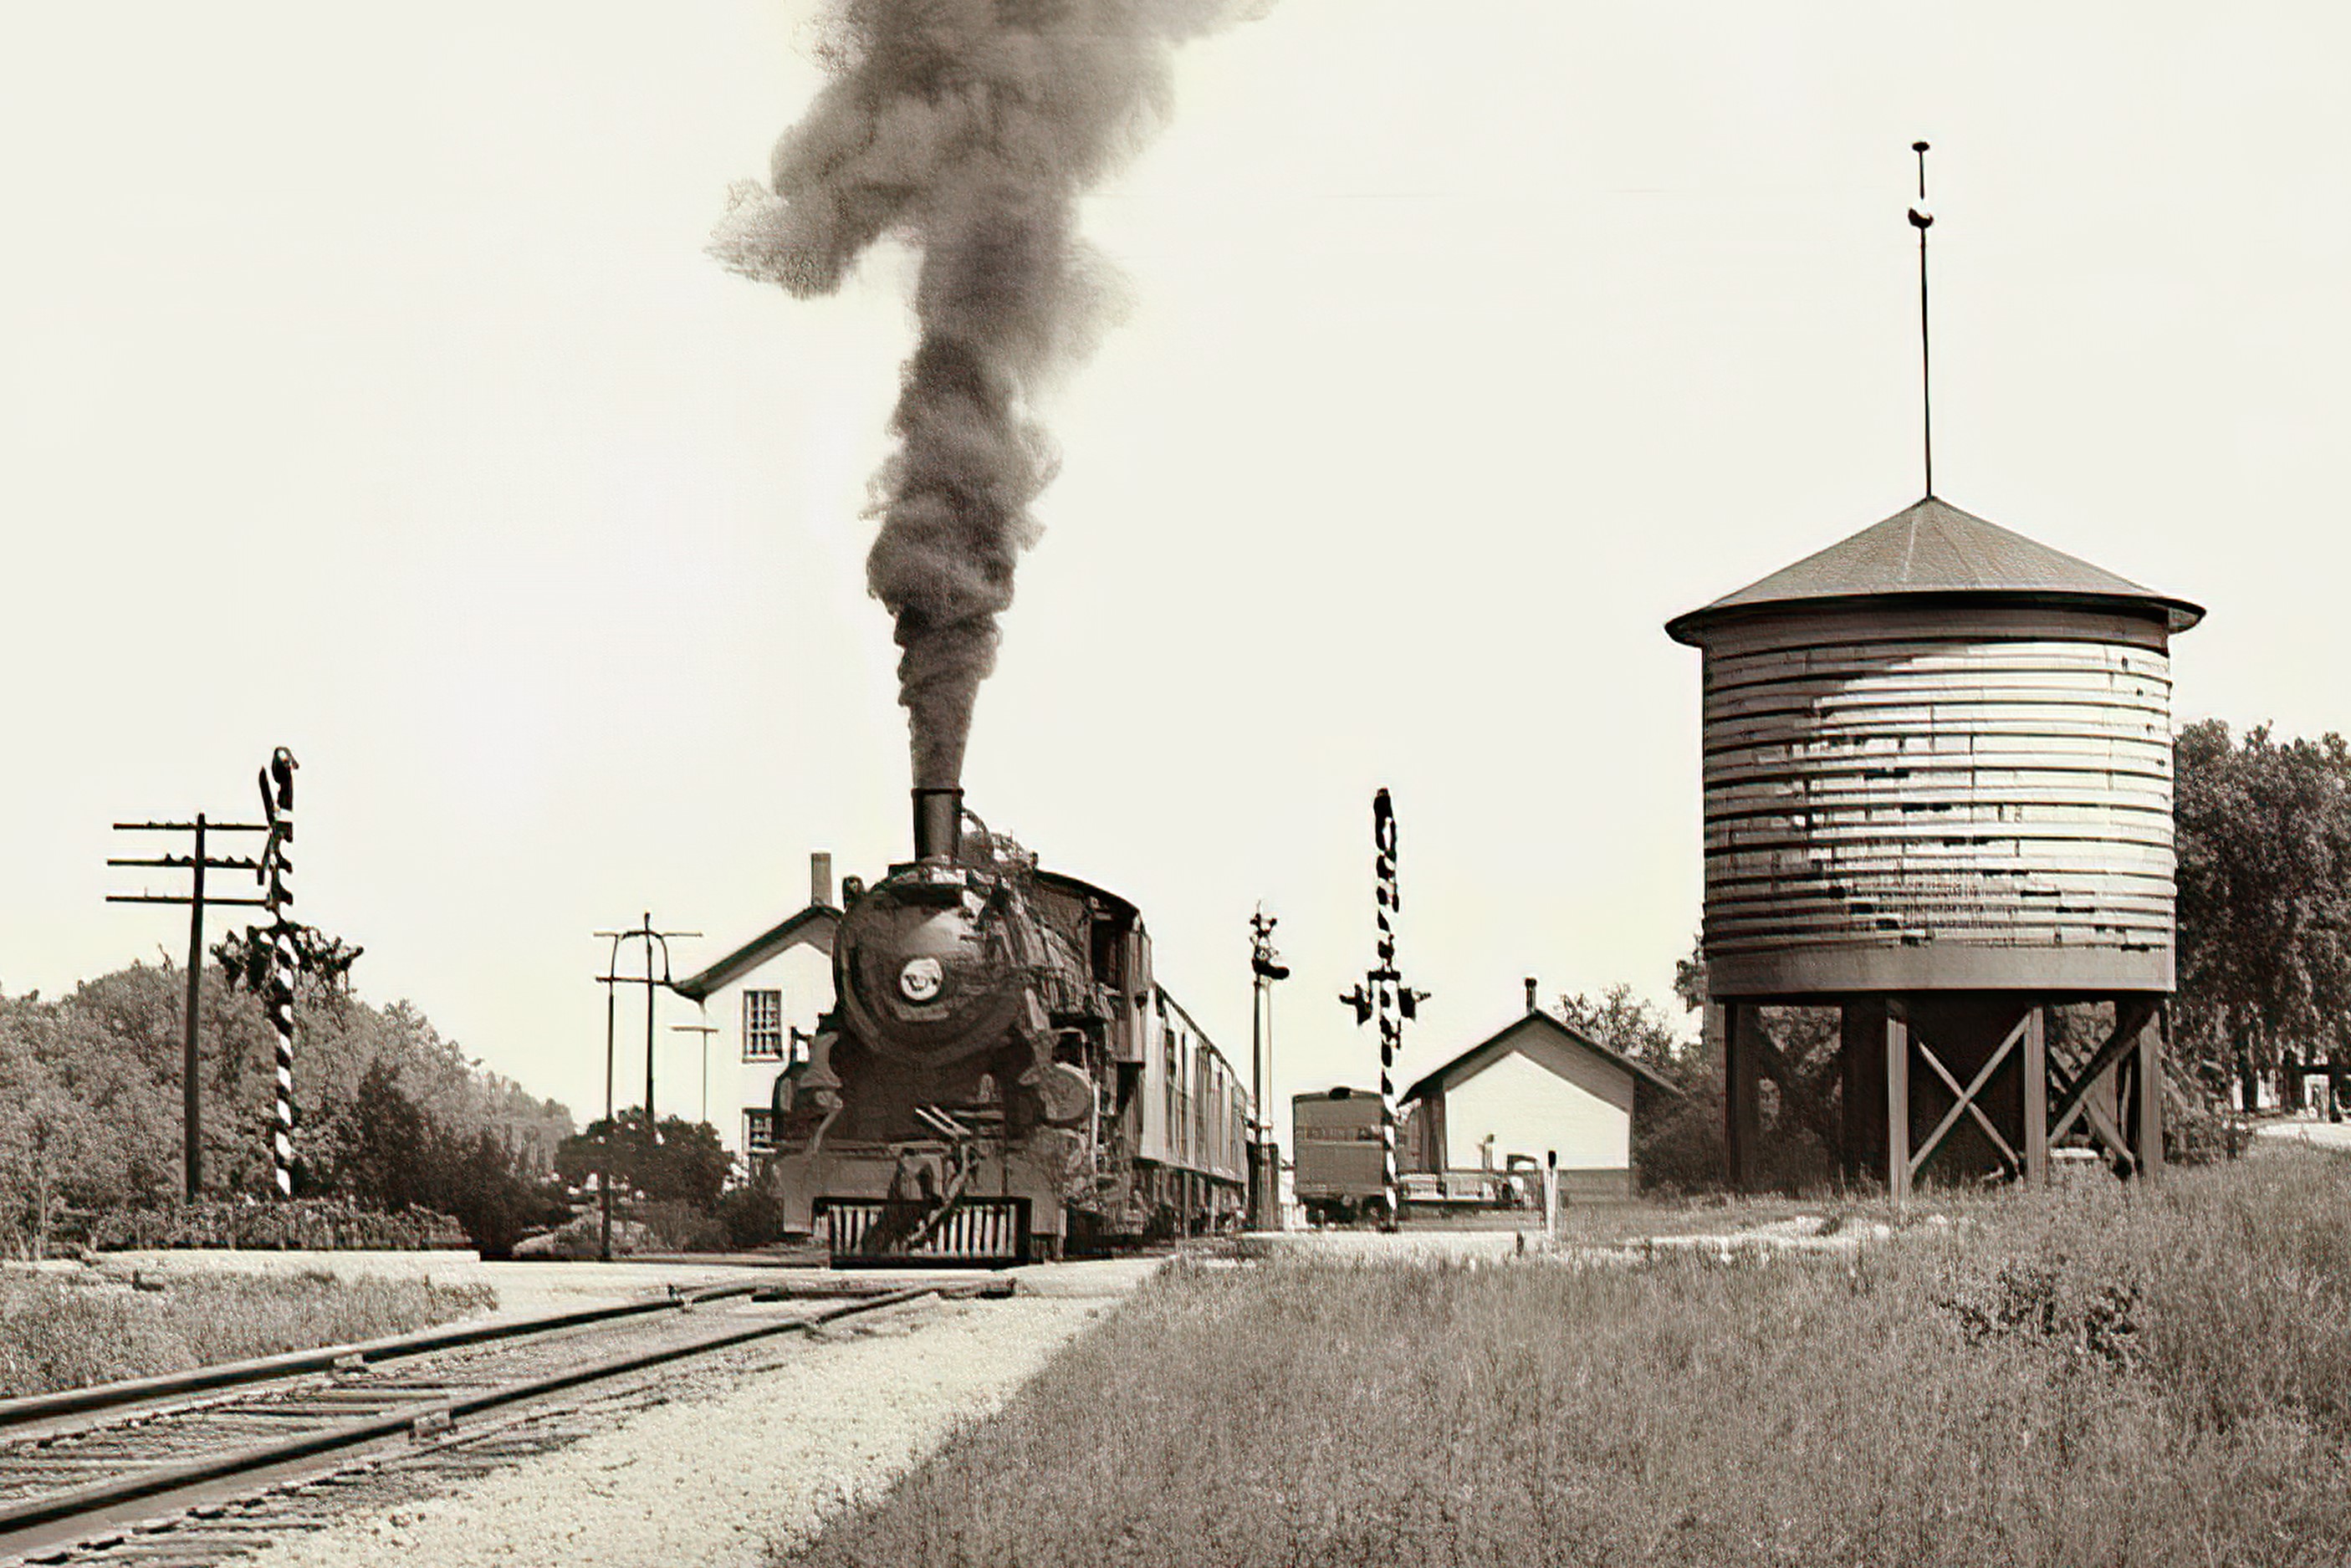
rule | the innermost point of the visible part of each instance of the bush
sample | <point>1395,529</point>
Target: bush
<point>680,1227</point>
<point>1678,1146</point>
<point>307,1224</point>
<point>2198,1129</point>
<point>683,1162</point>
<point>396,1154</point>
<point>752,1214</point>
<point>582,1236</point>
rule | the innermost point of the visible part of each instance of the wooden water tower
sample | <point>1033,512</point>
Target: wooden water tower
<point>1938,798</point>
<point>1938,774</point>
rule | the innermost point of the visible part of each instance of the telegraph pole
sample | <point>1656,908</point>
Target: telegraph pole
<point>1265,1150</point>
<point>1383,991</point>
<point>196,862</point>
<point>611,976</point>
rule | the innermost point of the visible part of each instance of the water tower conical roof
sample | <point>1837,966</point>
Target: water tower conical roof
<point>1934,547</point>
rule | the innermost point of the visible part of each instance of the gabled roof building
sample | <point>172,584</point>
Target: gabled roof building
<point>1534,1088</point>
<point>761,1002</point>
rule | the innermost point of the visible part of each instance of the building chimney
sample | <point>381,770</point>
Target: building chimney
<point>1530,994</point>
<point>820,877</point>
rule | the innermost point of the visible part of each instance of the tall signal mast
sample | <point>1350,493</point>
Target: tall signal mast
<point>1383,994</point>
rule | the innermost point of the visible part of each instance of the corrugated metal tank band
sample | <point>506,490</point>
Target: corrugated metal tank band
<point>1904,797</point>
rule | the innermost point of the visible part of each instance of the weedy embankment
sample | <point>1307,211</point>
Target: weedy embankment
<point>2089,1377</point>
<point>66,1331</point>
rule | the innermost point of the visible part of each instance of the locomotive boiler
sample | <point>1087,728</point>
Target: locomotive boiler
<point>1001,1078</point>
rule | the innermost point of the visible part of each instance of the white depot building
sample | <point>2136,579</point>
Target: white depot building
<point>1535,1088</point>
<point>761,1002</point>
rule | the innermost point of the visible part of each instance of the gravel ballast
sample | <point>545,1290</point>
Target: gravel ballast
<point>725,1479</point>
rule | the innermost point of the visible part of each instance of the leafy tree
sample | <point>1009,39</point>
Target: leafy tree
<point>400,1155</point>
<point>392,1154</point>
<point>46,1139</point>
<point>1677,1140</point>
<point>390,1112</point>
<point>1629,1025</point>
<point>2264,905</point>
<point>684,1163</point>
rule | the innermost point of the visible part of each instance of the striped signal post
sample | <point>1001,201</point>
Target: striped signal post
<point>1383,994</point>
<point>278,991</point>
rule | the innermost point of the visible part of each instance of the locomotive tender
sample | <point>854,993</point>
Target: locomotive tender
<point>1000,1077</point>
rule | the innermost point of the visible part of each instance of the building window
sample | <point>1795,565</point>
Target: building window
<point>758,1131</point>
<point>763,1025</point>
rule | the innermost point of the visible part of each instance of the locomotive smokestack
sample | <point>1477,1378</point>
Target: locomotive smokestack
<point>938,821</point>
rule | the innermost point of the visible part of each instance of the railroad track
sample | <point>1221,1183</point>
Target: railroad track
<point>121,1471</point>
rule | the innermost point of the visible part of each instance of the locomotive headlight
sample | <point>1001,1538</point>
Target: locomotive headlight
<point>919,980</point>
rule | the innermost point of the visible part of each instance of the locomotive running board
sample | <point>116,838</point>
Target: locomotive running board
<point>878,1232</point>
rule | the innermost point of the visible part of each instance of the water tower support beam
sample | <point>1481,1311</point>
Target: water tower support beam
<point>1742,1105</point>
<point>2153,1041</point>
<point>1897,1104</point>
<point>2036,1094</point>
<point>2134,1036</point>
<point>1968,1101</point>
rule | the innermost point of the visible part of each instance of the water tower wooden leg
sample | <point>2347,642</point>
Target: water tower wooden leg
<point>2036,1094</point>
<point>2150,1093</point>
<point>1742,1104</point>
<point>1897,1105</point>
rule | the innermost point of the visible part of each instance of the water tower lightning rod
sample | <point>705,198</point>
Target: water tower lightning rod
<point>1922,219</point>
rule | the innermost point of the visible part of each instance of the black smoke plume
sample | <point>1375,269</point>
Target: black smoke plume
<point>968,128</point>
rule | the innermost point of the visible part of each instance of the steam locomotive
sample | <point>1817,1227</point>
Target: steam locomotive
<point>1000,1079</point>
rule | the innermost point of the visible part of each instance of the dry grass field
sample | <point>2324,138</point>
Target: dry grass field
<point>2081,1377</point>
<point>63,1330</point>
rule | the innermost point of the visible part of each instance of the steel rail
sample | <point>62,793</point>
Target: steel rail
<point>29,1408</point>
<point>63,1505</point>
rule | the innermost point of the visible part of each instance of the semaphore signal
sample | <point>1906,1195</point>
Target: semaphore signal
<point>1384,993</point>
<point>277,988</point>
<point>1266,969</point>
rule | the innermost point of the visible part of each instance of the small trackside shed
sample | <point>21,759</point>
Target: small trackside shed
<point>1531,1089</point>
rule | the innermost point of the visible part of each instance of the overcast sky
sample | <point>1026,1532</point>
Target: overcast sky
<point>364,388</point>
